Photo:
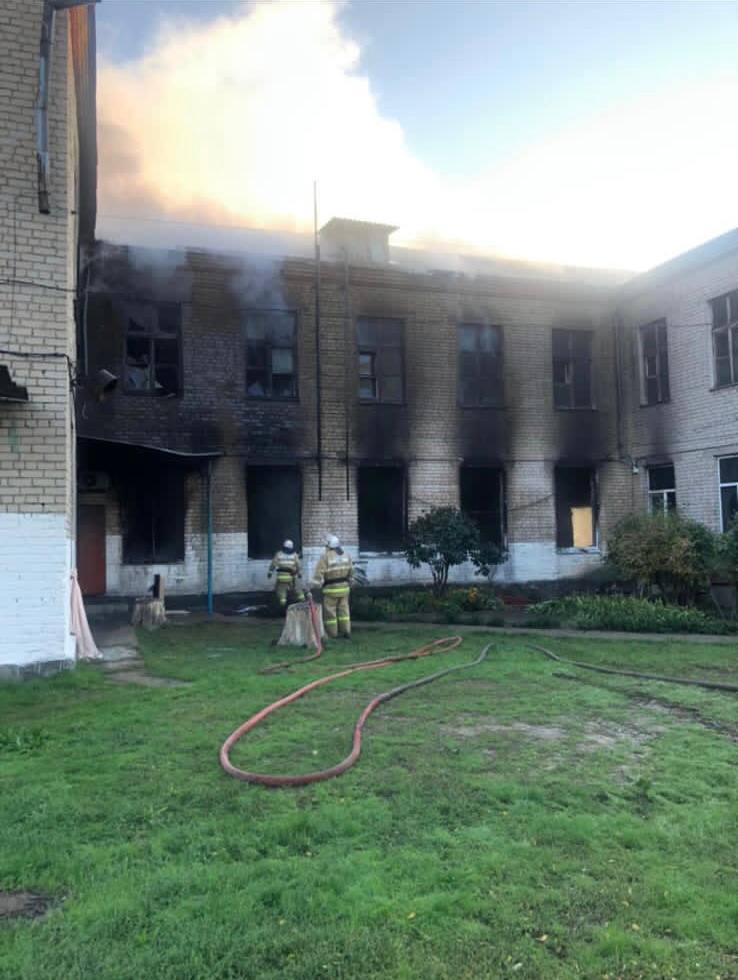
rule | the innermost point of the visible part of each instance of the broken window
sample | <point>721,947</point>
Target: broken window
<point>481,498</point>
<point>654,363</point>
<point>271,357</point>
<point>152,355</point>
<point>381,369</point>
<point>725,338</point>
<point>480,365</point>
<point>661,489</point>
<point>572,368</point>
<point>576,507</point>
<point>153,515</point>
<point>274,502</point>
<point>728,490</point>
<point>381,505</point>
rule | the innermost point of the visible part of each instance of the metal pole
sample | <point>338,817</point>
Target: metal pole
<point>318,399</point>
<point>210,536</point>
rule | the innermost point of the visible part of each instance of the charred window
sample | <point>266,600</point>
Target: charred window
<point>381,508</point>
<point>271,360</point>
<point>480,365</point>
<point>725,338</point>
<point>572,368</point>
<point>654,363</point>
<point>153,515</point>
<point>728,490</point>
<point>661,489</point>
<point>152,354</point>
<point>274,502</point>
<point>576,507</point>
<point>381,367</point>
<point>481,496</point>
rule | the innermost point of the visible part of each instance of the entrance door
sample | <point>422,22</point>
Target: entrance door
<point>91,548</point>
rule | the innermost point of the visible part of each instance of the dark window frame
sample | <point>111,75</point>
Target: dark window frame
<point>489,368</point>
<point>725,333</point>
<point>283,531</point>
<point>593,504</point>
<point>139,490</point>
<point>153,336</point>
<point>661,500</point>
<point>572,364</point>
<point>269,347</point>
<point>499,473</point>
<point>402,470</point>
<point>654,346</point>
<point>729,485</point>
<point>377,351</point>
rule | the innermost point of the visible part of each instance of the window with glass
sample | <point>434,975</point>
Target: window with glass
<point>575,492</point>
<point>728,490</point>
<point>725,338</point>
<point>271,358</point>
<point>480,365</point>
<point>661,489</point>
<point>152,363</point>
<point>572,368</point>
<point>380,343</point>
<point>654,363</point>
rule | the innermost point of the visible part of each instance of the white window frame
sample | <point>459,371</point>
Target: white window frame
<point>663,494</point>
<point>662,353</point>
<point>730,483</point>
<point>727,328</point>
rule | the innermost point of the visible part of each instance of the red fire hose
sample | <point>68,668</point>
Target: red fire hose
<point>302,779</point>
<point>273,668</point>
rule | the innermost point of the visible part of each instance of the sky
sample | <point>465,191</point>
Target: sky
<point>595,134</point>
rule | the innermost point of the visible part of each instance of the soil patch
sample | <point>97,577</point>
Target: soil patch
<point>23,905</point>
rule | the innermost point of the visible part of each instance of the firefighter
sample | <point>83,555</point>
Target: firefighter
<point>334,575</point>
<point>286,563</point>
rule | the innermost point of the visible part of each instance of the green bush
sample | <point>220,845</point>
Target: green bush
<point>593,612</point>
<point>408,602</point>
<point>670,552</point>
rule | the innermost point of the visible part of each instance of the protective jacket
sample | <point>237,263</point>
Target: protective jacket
<point>334,572</point>
<point>287,566</point>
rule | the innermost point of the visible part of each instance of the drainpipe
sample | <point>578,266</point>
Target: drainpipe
<point>318,394</point>
<point>209,496</point>
<point>348,387</point>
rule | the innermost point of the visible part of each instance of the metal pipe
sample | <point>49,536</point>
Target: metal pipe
<point>318,393</point>
<point>349,372</point>
<point>42,104</point>
<point>210,535</point>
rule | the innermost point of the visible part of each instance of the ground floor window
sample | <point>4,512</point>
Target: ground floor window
<point>274,502</point>
<point>576,507</point>
<point>481,498</point>
<point>728,490</point>
<point>381,503</point>
<point>661,489</point>
<point>153,515</point>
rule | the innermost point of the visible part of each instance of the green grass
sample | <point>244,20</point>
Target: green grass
<point>501,822</point>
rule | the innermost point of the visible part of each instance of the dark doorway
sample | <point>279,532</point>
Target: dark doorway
<point>91,549</point>
<point>381,508</point>
<point>152,498</point>
<point>576,507</point>
<point>274,500</point>
<point>481,498</point>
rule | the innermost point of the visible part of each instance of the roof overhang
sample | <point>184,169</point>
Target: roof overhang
<point>9,390</point>
<point>206,454</point>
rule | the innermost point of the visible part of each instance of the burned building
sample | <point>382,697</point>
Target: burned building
<point>263,398</point>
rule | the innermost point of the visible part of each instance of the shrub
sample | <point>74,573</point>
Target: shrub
<point>448,607</point>
<point>670,552</point>
<point>445,537</point>
<point>593,612</point>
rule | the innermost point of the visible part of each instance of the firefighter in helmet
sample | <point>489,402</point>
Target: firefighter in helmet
<point>334,575</point>
<point>286,563</point>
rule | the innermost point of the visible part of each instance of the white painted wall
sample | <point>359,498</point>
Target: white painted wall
<point>35,551</point>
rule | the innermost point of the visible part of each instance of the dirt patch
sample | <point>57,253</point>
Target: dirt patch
<point>680,711</point>
<point>23,905</point>
<point>544,733</point>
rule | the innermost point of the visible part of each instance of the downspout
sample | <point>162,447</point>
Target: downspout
<point>348,388</point>
<point>318,393</point>
<point>617,333</point>
<point>209,497</point>
<point>48,18</point>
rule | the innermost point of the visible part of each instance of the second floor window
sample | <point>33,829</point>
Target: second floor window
<point>661,489</point>
<point>380,350</point>
<point>480,366</point>
<point>654,363</point>
<point>572,368</point>
<point>725,338</point>
<point>152,354</point>
<point>270,354</point>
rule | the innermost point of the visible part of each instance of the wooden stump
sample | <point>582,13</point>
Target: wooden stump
<point>298,627</point>
<point>149,613</point>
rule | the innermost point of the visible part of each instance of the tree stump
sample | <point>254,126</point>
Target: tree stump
<point>149,613</point>
<point>298,626</point>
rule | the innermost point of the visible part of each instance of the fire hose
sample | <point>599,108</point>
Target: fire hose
<point>273,668</point>
<point>445,645</point>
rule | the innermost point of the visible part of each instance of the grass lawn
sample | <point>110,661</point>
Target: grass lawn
<point>504,821</point>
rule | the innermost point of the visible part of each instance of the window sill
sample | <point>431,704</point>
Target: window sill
<point>138,393</point>
<point>588,408</point>
<point>294,399</point>
<point>579,551</point>
<point>482,408</point>
<point>378,401</point>
<point>733,384</point>
<point>381,554</point>
<point>147,563</point>
<point>667,401</point>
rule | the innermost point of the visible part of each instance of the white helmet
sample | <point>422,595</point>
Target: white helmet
<point>288,545</point>
<point>332,541</point>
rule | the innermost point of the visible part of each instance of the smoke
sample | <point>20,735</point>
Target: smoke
<point>228,123</point>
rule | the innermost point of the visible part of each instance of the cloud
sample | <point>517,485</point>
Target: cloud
<point>230,122</point>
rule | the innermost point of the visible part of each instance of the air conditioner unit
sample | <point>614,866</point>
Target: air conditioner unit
<point>90,481</point>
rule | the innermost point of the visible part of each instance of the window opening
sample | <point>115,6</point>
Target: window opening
<point>153,515</point>
<point>576,507</point>
<point>654,363</point>
<point>381,506</point>
<point>480,366</point>
<point>381,359</point>
<point>274,505</point>
<point>271,354</point>
<point>661,489</point>
<point>725,338</point>
<point>152,355</point>
<point>481,497</point>
<point>572,368</point>
<point>728,468</point>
